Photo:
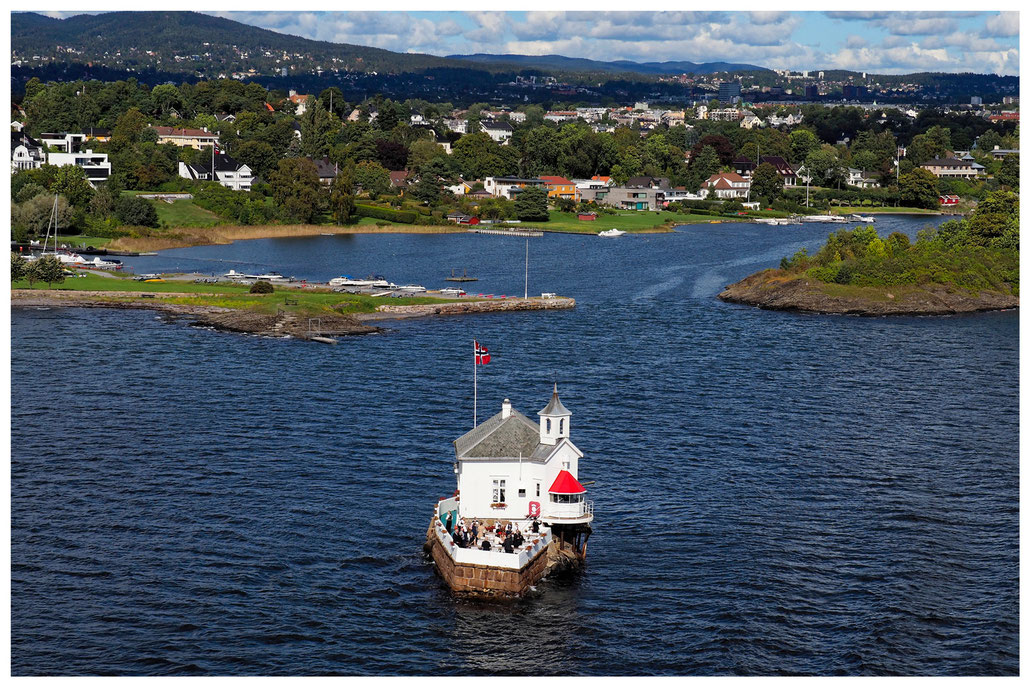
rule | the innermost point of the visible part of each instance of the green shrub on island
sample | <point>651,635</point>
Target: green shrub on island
<point>262,286</point>
<point>978,252</point>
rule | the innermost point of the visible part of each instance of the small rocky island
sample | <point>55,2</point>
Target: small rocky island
<point>963,266</point>
<point>779,290</point>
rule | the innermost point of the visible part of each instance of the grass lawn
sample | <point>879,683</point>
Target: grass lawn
<point>626,221</point>
<point>81,240</point>
<point>183,213</point>
<point>235,296</point>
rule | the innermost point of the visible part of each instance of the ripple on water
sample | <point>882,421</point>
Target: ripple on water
<point>775,494</point>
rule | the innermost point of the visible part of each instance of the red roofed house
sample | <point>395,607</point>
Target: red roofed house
<point>559,187</point>
<point>510,467</point>
<point>301,101</point>
<point>727,185</point>
<point>399,179</point>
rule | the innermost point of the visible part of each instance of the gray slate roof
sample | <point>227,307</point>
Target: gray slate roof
<point>504,438</point>
<point>555,407</point>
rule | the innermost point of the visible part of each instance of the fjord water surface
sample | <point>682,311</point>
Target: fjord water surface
<point>775,493</point>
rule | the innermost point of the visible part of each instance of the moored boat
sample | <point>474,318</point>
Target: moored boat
<point>610,233</point>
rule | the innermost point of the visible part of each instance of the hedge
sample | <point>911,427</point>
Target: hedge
<point>400,216</point>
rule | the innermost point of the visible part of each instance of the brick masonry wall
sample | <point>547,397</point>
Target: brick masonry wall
<point>485,581</point>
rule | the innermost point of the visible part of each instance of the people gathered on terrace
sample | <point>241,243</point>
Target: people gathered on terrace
<point>475,535</point>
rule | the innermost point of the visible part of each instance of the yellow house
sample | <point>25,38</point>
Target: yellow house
<point>186,138</point>
<point>560,187</point>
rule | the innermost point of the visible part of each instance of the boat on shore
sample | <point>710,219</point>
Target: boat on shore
<point>267,276</point>
<point>99,264</point>
<point>519,512</point>
<point>833,219</point>
<point>411,288</point>
<point>610,233</point>
<point>374,281</point>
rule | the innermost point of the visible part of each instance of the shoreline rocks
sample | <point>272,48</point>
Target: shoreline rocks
<point>775,290</point>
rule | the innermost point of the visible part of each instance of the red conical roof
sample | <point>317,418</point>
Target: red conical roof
<point>565,483</point>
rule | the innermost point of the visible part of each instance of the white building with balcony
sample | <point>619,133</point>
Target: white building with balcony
<point>512,468</point>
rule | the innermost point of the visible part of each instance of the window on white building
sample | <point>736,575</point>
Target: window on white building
<point>498,491</point>
<point>522,493</point>
<point>538,489</point>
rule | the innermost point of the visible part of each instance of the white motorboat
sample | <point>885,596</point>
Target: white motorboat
<point>836,219</point>
<point>267,276</point>
<point>73,259</point>
<point>610,233</point>
<point>411,288</point>
<point>98,264</point>
<point>863,218</point>
<point>372,282</point>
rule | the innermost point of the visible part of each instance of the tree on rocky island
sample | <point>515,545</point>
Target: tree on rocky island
<point>1008,174</point>
<point>531,205</point>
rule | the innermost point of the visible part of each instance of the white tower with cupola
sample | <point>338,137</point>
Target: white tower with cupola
<point>554,421</point>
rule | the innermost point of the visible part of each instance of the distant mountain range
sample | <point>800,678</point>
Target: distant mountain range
<point>560,62</point>
<point>188,42</point>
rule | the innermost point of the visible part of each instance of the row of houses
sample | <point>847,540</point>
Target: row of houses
<point>59,150</point>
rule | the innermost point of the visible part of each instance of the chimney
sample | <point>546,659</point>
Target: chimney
<point>506,409</point>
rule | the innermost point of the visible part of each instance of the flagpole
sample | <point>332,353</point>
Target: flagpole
<point>475,385</point>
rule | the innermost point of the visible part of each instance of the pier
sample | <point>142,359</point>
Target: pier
<point>528,233</point>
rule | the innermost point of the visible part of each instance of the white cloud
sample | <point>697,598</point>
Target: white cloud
<point>914,40</point>
<point>1002,25</point>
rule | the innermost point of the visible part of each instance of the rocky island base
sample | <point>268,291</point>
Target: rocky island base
<point>775,290</point>
<point>262,321</point>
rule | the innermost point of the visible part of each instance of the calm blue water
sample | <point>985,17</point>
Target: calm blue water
<point>775,493</point>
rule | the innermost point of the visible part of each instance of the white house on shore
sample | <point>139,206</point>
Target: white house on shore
<point>510,467</point>
<point>228,172</point>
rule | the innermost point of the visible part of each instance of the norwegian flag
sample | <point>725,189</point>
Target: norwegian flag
<point>482,355</point>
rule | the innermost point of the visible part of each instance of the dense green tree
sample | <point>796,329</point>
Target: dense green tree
<point>136,212</point>
<point>258,155</point>
<point>128,129</point>
<point>423,151</point>
<point>296,189</point>
<point>18,266</point>
<point>341,195</point>
<point>918,188</point>
<point>1008,173</point>
<point>702,166</point>
<point>373,178</point>
<point>994,215</point>
<point>317,130</point>
<point>47,268</point>
<point>32,217</point>
<point>766,182</point>
<point>531,205</point>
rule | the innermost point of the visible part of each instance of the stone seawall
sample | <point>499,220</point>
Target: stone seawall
<point>468,307</point>
<point>484,581</point>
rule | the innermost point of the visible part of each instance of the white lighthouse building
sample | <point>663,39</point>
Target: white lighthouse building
<point>512,468</point>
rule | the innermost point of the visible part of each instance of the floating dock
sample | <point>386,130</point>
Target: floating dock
<point>527,233</point>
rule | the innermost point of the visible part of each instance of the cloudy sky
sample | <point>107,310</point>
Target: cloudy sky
<point>880,42</point>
